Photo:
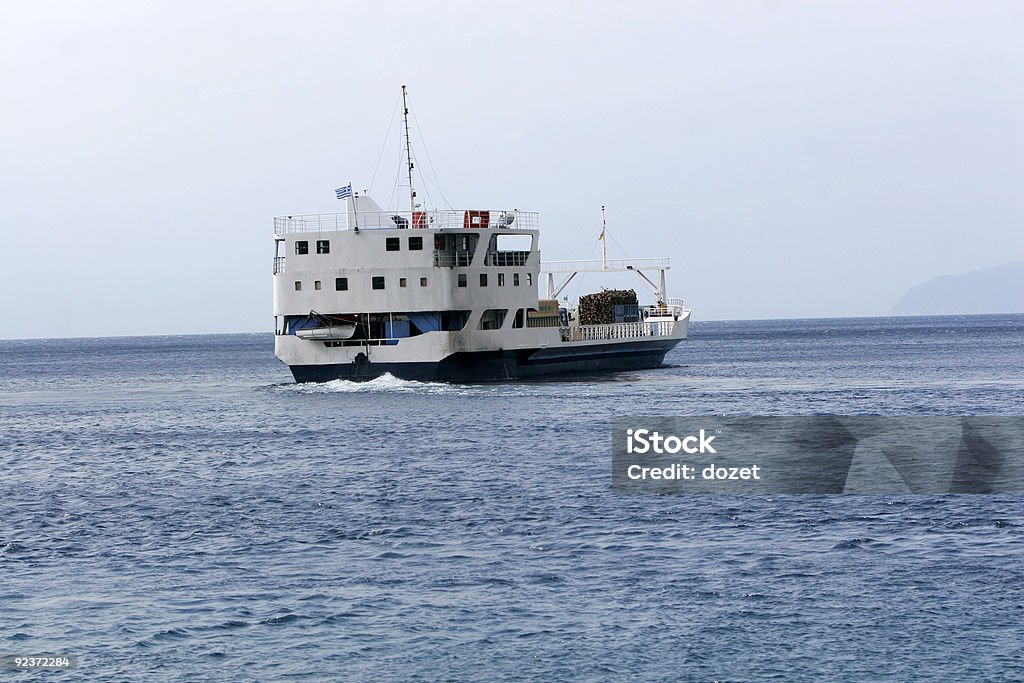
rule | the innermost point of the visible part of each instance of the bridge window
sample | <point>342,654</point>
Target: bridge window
<point>378,282</point>
<point>515,279</point>
<point>501,279</point>
<point>454,250</point>
<point>316,285</point>
<point>341,284</point>
<point>301,247</point>
<point>462,279</point>
<point>298,286</point>
<point>483,279</point>
<point>323,246</point>
<point>401,282</point>
<point>392,244</point>
<point>423,282</point>
<point>416,243</point>
<point>508,250</point>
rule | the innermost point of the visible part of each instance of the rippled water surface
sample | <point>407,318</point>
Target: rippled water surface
<point>175,509</point>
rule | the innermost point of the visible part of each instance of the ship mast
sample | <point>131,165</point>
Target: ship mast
<point>604,241</point>
<point>408,152</point>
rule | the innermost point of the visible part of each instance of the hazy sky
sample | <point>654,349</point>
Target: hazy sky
<point>793,158</point>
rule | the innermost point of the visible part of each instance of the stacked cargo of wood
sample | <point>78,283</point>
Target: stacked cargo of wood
<point>597,308</point>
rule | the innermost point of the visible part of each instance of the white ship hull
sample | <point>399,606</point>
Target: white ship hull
<point>481,356</point>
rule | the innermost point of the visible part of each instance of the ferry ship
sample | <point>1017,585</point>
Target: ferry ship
<point>449,295</point>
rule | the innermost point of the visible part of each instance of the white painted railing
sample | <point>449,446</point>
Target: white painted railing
<point>373,220</point>
<point>672,308</point>
<point>661,328</point>
<point>594,265</point>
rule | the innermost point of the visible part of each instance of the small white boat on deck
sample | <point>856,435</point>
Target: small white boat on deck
<point>344,331</point>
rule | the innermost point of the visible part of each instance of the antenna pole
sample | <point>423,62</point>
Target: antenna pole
<point>408,153</point>
<point>604,241</point>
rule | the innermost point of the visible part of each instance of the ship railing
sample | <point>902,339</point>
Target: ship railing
<point>389,220</point>
<point>460,259</point>
<point>314,222</point>
<point>672,307</point>
<point>506,258</point>
<point>279,265</point>
<point>596,265</point>
<point>660,328</point>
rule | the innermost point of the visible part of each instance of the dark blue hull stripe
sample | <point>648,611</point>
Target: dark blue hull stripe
<point>500,365</point>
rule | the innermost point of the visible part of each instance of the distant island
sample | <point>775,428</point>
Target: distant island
<point>989,290</point>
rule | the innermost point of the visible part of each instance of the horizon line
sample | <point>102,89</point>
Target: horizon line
<point>709,320</point>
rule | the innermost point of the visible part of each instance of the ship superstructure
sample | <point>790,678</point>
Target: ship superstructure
<point>447,295</point>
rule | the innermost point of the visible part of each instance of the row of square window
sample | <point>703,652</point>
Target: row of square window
<point>390,244</point>
<point>341,283</point>
<point>501,279</point>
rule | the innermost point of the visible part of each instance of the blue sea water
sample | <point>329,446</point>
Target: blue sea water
<point>174,508</point>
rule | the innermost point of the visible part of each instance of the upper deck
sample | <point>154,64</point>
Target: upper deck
<point>390,220</point>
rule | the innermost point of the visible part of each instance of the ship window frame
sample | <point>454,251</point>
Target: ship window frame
<point>519,319</point>
<point>492,316</point>
<point>501,279</point>
<point>423,282</point>
<point>316,285</point>
<point>377,280</point>
<point>403,282</point>
<point>509,249</point>
<point>463,280</point>
<point>529,279</point>
<point>392,244</point>
<point>515,279</point>
<point>298,285</point>
<point>341,284</point>
<point>301,247</point>
<point>483,279</point>
<point>323,246</point>
<point>416,240</point>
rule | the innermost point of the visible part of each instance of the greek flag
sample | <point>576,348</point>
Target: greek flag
<point>344,192</point>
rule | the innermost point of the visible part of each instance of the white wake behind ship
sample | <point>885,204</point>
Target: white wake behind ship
<point>449,295</point>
